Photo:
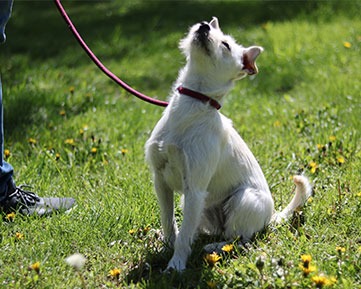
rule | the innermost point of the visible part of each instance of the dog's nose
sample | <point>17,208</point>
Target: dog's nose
<point>203,28</point>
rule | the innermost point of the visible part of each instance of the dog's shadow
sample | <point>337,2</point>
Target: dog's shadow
<point>149,271</point>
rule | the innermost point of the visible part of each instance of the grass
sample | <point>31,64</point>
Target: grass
<point>69,131</point>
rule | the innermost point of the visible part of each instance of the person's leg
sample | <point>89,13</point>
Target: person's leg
<point>6,169</point>
<point>5,12</point>
<point>13,198</point>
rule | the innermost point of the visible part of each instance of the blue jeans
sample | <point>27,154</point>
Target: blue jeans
<point>6,170</point>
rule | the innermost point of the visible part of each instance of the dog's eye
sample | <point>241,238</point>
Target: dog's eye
<point>225,44</point>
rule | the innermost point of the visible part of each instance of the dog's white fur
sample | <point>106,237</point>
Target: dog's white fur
<point>195,150</point>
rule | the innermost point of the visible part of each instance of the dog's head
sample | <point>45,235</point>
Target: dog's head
<point>210,51</point>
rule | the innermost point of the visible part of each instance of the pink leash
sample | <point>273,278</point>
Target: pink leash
<point>100,65</point>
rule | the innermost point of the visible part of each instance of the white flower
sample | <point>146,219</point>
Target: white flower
<point>76,260</point>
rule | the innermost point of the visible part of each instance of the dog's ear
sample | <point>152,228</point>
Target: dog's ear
<point>214,23</point>
<point>249,59</point>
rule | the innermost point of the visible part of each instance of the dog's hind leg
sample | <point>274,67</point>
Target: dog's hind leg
<point>248,211</point>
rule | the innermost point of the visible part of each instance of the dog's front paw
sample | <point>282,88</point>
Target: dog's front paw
<point>176,264</point>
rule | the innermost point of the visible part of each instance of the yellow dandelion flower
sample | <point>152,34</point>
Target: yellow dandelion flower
<point>340,249</point>
<point>227,248</point>
<point>308,270</point>
<point>347,44</point>
<point>10,216</point>
<point>306,258</point>
<point>7,153</point>
<point>212,259</point>
<point>332,138</point>
<point>331,211</point>
<point>277,123</point>
<point>32,141</point>
<point>124,151</point>
<point>265,26</point>
<point>313,166</point>
<point>358,194</point>
<point>340,159</point>
<point>146,229</point>
<point>69,141</point>
<point>332,280</point>
<point>81,131</point>
<point>71,89</point>
<point>93,150</point>
<point>35,267</point>
<point>132,231</point>
<point>57,156</point>
<point>62,112</point>
<point>114,273</point>
<point>320,146</point>
<point>320,280</point>
<point>211,284</point>
<point>19,236</point>
<point>310,200</point>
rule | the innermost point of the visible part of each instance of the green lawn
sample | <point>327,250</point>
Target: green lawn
<point>70,131</point>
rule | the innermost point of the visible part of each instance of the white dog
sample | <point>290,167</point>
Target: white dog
<point>195,150</point>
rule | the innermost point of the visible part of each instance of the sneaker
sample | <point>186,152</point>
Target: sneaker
<point>28,203</point>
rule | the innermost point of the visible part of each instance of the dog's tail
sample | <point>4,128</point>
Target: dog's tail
<point>303,192</point>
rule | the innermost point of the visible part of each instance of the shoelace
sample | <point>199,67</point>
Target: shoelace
<point>25,197</point>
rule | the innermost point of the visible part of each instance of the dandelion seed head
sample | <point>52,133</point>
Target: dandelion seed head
<point>77,261</point>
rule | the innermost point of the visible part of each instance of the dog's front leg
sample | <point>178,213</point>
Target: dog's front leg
<point>193,210</point>
<point>166,203</point>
